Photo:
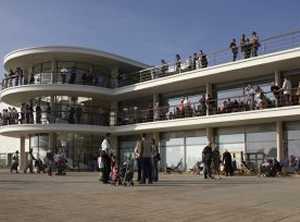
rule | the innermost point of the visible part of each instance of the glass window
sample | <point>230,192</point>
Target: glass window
<point>292,136</point>
<point>261,139</point>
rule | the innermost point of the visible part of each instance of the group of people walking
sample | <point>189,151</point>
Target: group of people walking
<point>51,162</point>
<point>146,155</point>
<point>212,160</point>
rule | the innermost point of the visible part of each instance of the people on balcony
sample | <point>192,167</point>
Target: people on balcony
<point>178,63</point>
<point>287,91</point>
<point>234,49</point>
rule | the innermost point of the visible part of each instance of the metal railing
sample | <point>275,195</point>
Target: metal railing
<point>56,78</point>
<point>258,101</point>
<point>269,45</point>
<point>54,117</point>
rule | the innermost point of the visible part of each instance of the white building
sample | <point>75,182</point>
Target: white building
<point>85,93</point>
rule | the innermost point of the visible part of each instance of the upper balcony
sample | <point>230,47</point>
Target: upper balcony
<point>277,53</point>
<point>61,70</point>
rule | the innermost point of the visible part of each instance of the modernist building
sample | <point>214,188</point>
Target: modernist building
<point>83,94</point>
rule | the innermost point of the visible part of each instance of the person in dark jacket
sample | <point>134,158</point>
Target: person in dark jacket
<point>29,162</point>
<point>207,156</point>
<point>227,160</point>
<point>216,161</point>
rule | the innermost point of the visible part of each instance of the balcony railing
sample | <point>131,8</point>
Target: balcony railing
<point>209,106</point>
<point>269,45</point>
<point>54,117</point>
<point>55,78</point>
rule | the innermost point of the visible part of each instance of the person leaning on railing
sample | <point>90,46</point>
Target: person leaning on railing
<point>178,63</point>
<point>234,49</point>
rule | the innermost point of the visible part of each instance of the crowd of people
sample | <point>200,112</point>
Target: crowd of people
<point>31,113</point>
<point>65,76</point>
<point>52,162</point>
<point>147,158</point>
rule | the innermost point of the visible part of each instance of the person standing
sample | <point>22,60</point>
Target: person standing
<point>145,151</point>
<point>156,159</point>
<point>138,159</point>
<point>207,160</point>
<point>234,49</point>
<point>49,161</point>
<point>178,63</point>
<point>106,158</point>
<point>287,91</point>
<point>227,161</point>
<point>29,162</point>
<point>216,162</point>
<point>15,163</point>
<point>255,44</point>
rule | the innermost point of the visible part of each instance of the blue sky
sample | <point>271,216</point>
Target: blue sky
<point>145,30</point>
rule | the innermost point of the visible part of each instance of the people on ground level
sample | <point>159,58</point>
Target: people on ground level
<point>156,159</point>
<point>227,161</point>
<point>207,157</point>
<point>106,151</point>
<point>29,161</point>
<point>15,162</point>
<point>216,161</point>
<point>145,152</point>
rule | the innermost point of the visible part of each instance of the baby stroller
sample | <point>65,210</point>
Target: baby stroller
<point>126,173</point>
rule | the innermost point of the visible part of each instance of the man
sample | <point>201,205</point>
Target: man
<point>156,159</point>
<point>138,158</point>
<point>105,158</point>
<point>15,163</point>
<point>207,160</point>
<point>145,152</point>
<point>234,49</point>
<point>29,162</point>
<point>287,91</point>
<point>227,160</point>
<point>216,161</point>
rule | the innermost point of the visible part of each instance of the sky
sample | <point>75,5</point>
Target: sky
<point>144,30</point>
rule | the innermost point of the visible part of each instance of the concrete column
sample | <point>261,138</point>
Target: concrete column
<point>209,92</point>
<point>53,72</point>
<point>115,146</point>
<point>156,105</point>
<point>113,115</point>
<point>279,141</point>
<point>22,153</point>
<point>277,78</point>
<point>278,82</point>
<point>51,143</point>
<point>115,77</point>
<point>210,136</point>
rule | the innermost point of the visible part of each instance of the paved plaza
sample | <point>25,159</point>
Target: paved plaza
<point>80,197</point>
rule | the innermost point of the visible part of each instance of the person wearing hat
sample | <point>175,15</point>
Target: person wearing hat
<point>15,163</point>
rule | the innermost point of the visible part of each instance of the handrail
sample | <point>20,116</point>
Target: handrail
<point>210,106</point>
<point>54,116</point>
<point>283,41</point>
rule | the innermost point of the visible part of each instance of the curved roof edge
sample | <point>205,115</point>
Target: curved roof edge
<point>71,49</point>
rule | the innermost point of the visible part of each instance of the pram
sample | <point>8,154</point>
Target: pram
<point>126,173</point>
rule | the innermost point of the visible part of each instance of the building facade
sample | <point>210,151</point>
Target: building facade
<point>68,98</point>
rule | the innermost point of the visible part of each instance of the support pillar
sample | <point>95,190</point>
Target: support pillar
<point>279,141</point>
<point>51,143</point>
<point>210,136</point>
<point>156,105</point>
<point>113,114</point>
<point>22,153</point>
<point>277,78</point>
<point>114,77</point>
<point>209,91</point>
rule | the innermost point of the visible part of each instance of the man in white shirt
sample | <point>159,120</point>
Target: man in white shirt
<point>287,91</point>
<point>105,160</point>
